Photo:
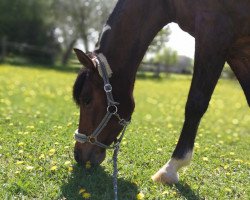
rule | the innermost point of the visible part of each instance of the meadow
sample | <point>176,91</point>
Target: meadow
<point>38,119</point>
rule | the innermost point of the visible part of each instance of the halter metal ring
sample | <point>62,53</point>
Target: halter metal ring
<point>91,140</point>
<point>107,88</point>
<point>112,109</point>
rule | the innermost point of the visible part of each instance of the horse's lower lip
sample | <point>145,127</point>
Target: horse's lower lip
<point>97,159</point>
<point>94,159</point>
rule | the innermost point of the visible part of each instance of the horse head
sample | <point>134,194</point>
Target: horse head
<point>105,110</point>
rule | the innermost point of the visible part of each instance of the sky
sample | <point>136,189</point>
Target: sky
<point>181,41</point>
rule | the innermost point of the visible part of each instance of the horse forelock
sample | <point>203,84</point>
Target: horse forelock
<point>78,85</point>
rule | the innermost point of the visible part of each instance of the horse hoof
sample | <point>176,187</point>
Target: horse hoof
<point>166,176</point>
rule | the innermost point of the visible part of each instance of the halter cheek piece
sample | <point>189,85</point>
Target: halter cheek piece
<point>112,110</point>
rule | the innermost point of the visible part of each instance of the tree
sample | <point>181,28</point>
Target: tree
<point>79,20</point>
<point>158,54</point>
<point>160,41</point>
<point>166,57</point>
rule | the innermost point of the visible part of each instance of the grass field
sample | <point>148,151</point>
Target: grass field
<point>38,118</point>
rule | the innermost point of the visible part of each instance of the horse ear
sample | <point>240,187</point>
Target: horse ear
<point>84,59</point>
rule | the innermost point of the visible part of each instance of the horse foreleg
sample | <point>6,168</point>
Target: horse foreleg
<point>210,58</point>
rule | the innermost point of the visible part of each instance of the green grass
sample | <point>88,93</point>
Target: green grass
<point>38,118</point>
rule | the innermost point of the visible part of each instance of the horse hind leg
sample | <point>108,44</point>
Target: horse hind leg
<point>239,61</point>
<point>241,68</point>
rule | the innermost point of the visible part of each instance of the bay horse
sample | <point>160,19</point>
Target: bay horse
<point>221,29</point>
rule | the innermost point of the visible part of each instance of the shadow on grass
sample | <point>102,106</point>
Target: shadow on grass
<point>186,191</point>
<point>98,183</point>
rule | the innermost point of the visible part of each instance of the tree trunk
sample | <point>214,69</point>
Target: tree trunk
<point>85,43</point>
<point>4,47</point>
<point>67,53</point>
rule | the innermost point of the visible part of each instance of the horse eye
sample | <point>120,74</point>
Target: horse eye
<point>86,101</point>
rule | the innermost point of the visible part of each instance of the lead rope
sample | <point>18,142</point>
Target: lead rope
<point>115,171</point>
<point>115,158</point>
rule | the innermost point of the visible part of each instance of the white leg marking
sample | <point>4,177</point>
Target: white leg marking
<point>168,173</point>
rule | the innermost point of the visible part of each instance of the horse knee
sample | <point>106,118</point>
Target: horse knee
<point>196,106</point>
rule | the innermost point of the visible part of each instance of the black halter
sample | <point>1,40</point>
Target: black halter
<point>112,109</point>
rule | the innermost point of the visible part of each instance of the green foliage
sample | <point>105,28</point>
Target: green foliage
<point>24,21</point>
<point>159,41</point>
<point>38,118</point>
<point>28,22</point>
<point>166,57</point>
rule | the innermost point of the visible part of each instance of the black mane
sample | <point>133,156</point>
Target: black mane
<point>116,12</point>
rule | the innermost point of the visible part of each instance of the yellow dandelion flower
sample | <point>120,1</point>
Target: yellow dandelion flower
<point>170,125</point>
<point>226,166</point>
<point>82,190</point>
<point>53,168</point>
<point>42,156</point>
<point>20,144</point>
<point>228,190</point>
<point>86,195</point>
<point>88,165</point>
<point>20,151</point>
<point>19,162</point>
<point>140,196</point>
<point>205,158</point>
<point>29,168</point>
<point>69,124</point>
<point>165,192</point>
<point>228,174</point>
<point>238,160</point>
<point>51,152</point>
<point>67,162</point>
<point>70,169</point>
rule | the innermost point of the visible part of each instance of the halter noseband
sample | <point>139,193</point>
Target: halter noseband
<point>105,72</point>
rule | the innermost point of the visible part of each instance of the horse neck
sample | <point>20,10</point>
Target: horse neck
<point>131,28</point>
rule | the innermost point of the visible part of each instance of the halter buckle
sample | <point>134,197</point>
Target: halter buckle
<point>91,140</point>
